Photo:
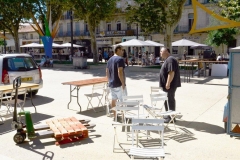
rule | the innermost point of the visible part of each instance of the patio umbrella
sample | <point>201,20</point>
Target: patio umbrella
<point>154,43</point>
<point>185,42</point>
<point>135,43</point>
<point>201,46</point>
<point>69,45</point>
<point>32,45</point>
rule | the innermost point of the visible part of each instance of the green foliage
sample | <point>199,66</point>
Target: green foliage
<point>231,10</point>
<point>155,15</point>
<point>12,11</point>
<point>92,12</point>
<point>221,36</point>
<point>1,42</point>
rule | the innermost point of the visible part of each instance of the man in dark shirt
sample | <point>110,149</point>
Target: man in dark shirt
<point>169,79</point>
<point>116,76</point>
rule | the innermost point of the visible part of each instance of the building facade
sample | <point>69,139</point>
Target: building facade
<point>118,30</point>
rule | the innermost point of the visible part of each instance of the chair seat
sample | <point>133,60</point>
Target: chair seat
<point>135,116</point>
<point>93,95</point>
<point>147,152</point>
<point>12,101</point>
<point>168,113</point>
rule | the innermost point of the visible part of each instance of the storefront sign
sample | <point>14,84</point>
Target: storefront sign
<point>115,33</point>
<point>191,37</point>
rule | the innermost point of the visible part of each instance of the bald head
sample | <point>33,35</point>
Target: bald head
<point>165,52</point>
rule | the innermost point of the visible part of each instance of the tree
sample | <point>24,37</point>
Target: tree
<point>12,12</point>
<point>157,15</point>
<point>92,12</point>
<point>221,37</point>
<point>231,10</point>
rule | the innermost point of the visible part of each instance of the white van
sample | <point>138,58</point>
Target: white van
<point>14,65</point>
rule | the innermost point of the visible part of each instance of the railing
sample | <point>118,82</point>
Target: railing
<point>182,29</point>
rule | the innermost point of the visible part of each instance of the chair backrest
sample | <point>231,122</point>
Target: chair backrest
<point>136,98</point>
<point>156,99</point>
<point>127,106</point>
<point>1,98</point>
<point>148,125</point>
<point>21,91</point>
<point>156,90</point>
<point>100,86</point>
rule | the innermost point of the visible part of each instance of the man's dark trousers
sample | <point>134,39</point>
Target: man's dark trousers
<point>171,99</point>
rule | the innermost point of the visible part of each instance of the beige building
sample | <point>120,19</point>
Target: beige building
<point>118,30</point>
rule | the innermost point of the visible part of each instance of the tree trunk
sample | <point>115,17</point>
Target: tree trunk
<point>168,37</point>
<point>222,48</point>
<point>93,45</point>
<point>92,31</point>
<point>16,41</point>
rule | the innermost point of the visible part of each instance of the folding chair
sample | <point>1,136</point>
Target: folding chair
<point>97,92</point>
<point>156,90</point>
<point>133,109</point>
<point>123,107</point>
<point>20,102</point>
<point>147,125</point>
<point>1,117</point>
<point>107,100</point>
<point>128,114</point>
<point>157,110</point>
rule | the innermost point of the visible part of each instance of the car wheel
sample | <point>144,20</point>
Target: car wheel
<point>33,93</point>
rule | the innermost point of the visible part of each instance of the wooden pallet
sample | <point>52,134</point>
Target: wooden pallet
<point>67,130</point>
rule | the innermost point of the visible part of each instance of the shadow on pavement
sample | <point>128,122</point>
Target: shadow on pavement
<point>99,112</point>
<point>38,100</point>
<point>202,127</point>
<point>36,118</point>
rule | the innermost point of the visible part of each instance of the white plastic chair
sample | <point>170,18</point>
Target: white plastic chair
<point>123,107</point>
<point>97,92</point>
<point>129,114</point>
<point>107,100</point>
<point>156,90</point>
<point>20,102</point>
<point>1,98</point>
<point>147,125</point>
<point>156,110</point>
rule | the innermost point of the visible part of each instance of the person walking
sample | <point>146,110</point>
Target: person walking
<point>116,76</point>
<point>169,79</point>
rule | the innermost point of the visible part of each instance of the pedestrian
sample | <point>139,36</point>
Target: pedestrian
<point>125,57</point>
<point>169,79</point>
<point>116,76</point>
<point>185,55</point>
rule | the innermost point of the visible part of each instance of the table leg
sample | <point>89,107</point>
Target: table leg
<point>205,69</point>
<point>77,99</point>
<point>71,90</point>
<point>70,96</point>
<point>192,69</point>
<point>32,101</point>
<point>184,71</point>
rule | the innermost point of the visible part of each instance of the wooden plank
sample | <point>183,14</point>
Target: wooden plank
<point>87,82</point>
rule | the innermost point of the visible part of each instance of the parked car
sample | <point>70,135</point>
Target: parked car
<point>14,65</point>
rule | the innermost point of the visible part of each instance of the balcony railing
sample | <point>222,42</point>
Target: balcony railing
<point>75,33</point>
<point>182,29</point>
